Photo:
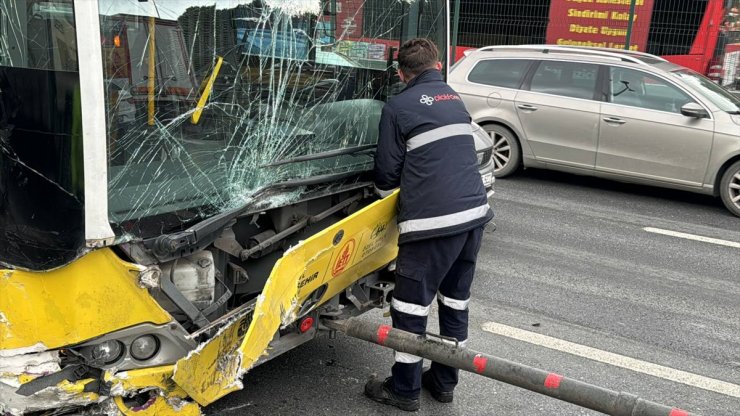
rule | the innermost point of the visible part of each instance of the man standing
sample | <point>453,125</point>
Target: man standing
<point>426,148</point>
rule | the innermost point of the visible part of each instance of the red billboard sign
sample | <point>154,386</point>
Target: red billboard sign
<point>598,23</point>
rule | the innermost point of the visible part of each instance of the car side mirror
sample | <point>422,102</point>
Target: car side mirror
<point>694,110</point>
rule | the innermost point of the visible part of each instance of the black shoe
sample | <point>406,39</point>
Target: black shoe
<point>428,383</point>
<point>382,392</point>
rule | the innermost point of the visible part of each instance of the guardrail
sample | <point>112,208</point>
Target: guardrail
<point>448,352</point>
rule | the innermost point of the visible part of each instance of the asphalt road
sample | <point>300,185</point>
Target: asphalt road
<point>570,260</point>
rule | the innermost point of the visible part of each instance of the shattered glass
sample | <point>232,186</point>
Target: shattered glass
<point>209,105</point>
<point>210,101</point>
<point>41,164</point>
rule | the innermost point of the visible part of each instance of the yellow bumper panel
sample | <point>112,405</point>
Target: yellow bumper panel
<point>63,395</point>
<point>337,256</point>
<point>124,382</point>
<point>160,406</point>
<point>92,296</point>
<point>167,398</point>
<point>168,401</point>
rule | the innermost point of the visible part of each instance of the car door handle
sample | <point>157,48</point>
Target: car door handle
<point>614,120</point>
<point>526,107</point>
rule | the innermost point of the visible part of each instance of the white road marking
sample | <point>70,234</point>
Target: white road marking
<point>693,237</point>
<point>644,367</point>
<point>233,408</point>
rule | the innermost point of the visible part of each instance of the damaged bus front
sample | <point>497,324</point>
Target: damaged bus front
<point>184,189</point>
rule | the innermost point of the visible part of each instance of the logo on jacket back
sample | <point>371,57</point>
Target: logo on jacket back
<point>425,99</point>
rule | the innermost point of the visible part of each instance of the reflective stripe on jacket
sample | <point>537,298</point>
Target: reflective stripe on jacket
<point>426,147</point>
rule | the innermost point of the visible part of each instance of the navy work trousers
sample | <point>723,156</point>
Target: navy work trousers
<point>441,267</point>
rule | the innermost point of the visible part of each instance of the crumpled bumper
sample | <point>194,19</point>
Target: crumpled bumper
<point>41,314</point>
<point>164,397</point>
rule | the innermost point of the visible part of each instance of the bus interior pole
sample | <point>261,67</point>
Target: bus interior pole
<point>455,28</point>
<point>630,24</point>
<point>152,70</point>
<point>333,12</point>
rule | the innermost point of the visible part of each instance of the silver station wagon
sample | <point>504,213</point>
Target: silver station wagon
<point>627,116</point>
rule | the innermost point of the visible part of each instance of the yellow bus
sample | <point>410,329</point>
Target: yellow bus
<point>185,190</point>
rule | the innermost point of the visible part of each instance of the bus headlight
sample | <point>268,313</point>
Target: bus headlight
<point>108,352</point>
<point>144,347</point>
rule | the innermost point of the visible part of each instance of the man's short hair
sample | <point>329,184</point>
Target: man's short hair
<point>416,56</point>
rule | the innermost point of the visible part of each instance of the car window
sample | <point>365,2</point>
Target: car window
<point>640,89</point>
<point>506,73</point>
<point>569,79</point>
<point>713,92</point>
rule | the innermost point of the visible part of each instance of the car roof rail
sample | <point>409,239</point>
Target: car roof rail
<point>626,52</point>
<point>627,57</point>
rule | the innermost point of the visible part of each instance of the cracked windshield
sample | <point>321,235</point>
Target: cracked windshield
<point>212,102</point>
<point>211,106</point>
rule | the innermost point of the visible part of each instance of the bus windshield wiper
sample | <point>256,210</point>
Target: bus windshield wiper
<point>368,148</point>
<point>169,246</point>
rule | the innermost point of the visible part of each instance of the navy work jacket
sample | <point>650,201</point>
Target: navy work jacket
<point>426,147</point>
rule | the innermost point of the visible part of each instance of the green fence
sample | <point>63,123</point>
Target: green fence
<point>694,33</point>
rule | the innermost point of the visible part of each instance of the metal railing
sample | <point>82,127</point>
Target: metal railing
<point>554,385</point>
<point>693,33</point>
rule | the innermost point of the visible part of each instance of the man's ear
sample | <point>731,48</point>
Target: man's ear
<point>402,76</point>
<point>438,65</point>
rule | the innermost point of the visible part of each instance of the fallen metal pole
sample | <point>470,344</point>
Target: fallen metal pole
<point>550,384</point>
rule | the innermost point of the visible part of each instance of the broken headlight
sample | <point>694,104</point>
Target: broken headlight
<point>107,352</point>
<point>144,347</point>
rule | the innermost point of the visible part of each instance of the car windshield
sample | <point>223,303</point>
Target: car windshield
<point>711,91</point>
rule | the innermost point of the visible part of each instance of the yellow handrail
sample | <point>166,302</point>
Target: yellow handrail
<point>152,70</point>
<point>206,92</point>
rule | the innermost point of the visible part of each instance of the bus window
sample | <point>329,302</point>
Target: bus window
<point>38,34</point>
<point>41,176</point>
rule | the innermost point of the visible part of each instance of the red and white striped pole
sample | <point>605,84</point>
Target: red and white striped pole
<point>550,384</point>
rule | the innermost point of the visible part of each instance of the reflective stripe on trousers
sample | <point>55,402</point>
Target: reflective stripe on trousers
<point>456,304</point>
<point>405,358</point>
<point>410,308</point>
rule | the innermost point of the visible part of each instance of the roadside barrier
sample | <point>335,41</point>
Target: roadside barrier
<point>449,352</point>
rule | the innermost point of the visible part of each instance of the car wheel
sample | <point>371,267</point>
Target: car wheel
<point>507,153</point>
<point>730,188</point>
